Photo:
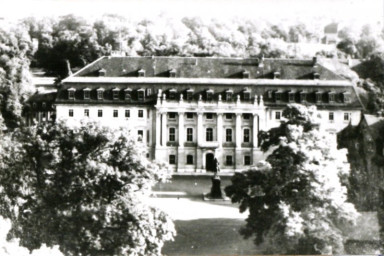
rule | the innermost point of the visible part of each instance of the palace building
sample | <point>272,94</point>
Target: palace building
<point>190,110</point>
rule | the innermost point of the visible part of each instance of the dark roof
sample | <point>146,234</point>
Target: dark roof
<point>43,97</point>
<point>199,67</point>
<point>375,125</point>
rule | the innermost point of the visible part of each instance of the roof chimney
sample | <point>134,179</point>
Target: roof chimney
<point>314,60</point>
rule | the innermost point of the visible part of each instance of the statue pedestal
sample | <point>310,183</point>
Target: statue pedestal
<point>216,192</point>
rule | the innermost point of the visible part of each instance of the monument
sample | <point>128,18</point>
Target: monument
<point>216,192</point>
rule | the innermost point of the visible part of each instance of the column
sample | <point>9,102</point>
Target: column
<point>200,132</point>
<point>181,130</point>
<point>158,128</point>
<point>164,129</point>
<point>238,130</point>
<point>255,131</point>
<point>220,129</point>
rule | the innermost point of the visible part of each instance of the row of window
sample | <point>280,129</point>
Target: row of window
<point>116,94</point>
<point>127,113</point>
<point>209,116</point>
<point>303,96</point>
<point>331,116</point>
<point>228,160</point>
<point>209,135</point>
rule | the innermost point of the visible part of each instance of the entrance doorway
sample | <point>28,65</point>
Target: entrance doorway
<point>209,162</point>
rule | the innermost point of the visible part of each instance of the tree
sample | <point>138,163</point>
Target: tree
<point>82,188</point>
<point>297,198</point>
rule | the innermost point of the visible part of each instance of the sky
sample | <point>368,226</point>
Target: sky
<point>360,11</point>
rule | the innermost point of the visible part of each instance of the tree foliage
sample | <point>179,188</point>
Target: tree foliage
<point>82,189</point>
<point>297,198</point>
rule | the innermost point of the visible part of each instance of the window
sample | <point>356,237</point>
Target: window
<point>303,97</point>
<point>270,94</point>
<point>172,94</point>
<point>318,97</point>
<point>44,115</point>
<point>71,94</point>
<point>346,116</point>
<point>209,95</point>
<point>127,94</point>
<point>277,115</point>
<point>140,135</point>
<point>291,97</point>
<point>189,134</point>
<point>246,95</point>
<point>228,135</point>
<point>115,94</point>
<point>209,116</point>
<point>172,115</point>
<point>172,159</point>
<point>189,159</point>
<point>44,105</point>
<point>209,134</point>
<point>189,94</point>
<point>331,97</point>
<point>228,95</point>
<point>246,116</point>
<point>331,116</point>
<point>247,160</point>
<point>149,91</point>
<point>87,94</point>
<point>86,112</point>
<point>189,115</point>
<point>228,160</point>
<point>346,97</point>
<point>140,95</point>
<point>34,105</point>
<point>246,136</point>
<point>127,113</point>
<point>228,116</point>
<point>278,96</point>
<point>141,73</point>
<point>70,112</point>
<point>140,114</point>
<point>100,113</point>
<point>115,113</point>
<point>172,73</point>
<point>172,134</point>
<point>100,94</point>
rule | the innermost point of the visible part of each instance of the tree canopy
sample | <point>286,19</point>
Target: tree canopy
<point>82,188</point>
<point>297,198</point>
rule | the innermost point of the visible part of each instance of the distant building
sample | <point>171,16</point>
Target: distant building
<point>331,34</point>
<point>189,111</point>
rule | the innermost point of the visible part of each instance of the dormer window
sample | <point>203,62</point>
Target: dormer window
<point>246,95</point>
<point>270,92</point>
<point>303,96</point>
<point>115,93</point>
<point>209,94</point>
<point>172,94</point>
<point>319,97</point>
<point>346,97</point>
<point>141,73</point>
<point>245,74</point>
<point>189,94</point>
<point>172,73</point>
<point>276,75</point>
<point>316,75</point>
<point>34,105</point>
<point>100,93</point>
<point>291,96</point>
<point>228,95</point>
<point>149,91</point>
<point>278,95</point>
<point>127,94</point>
<point>44,105</point>
<point>71,93</point>
<point>102,72</point>
<point>87,93</point>
<point>331,97</point>
<point>140,95</point>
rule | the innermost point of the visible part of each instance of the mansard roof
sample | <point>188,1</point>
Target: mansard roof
<point>206,67</point>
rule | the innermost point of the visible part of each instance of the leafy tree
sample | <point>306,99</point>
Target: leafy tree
<point>82,188</point>
<point>297,197</point>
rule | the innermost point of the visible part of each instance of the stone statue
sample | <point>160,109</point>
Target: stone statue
<point>216,192</point>
<point>217,166</point>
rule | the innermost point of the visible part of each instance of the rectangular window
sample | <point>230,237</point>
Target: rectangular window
<point>87,94</point>
<point>291,97</point>
<point>346,116</point>
<point>189,159</point>
<point>189,115</point>
<point>209,116</point>
<point>331,97</point>
<point>86,112</point>
<point>44,105</point>
<point>140,135</point>
<point>70,112</point>
<point>228,116</point>
<point>246,116</point>
<point>140,95</point>
<point>228,160</point>
<point>209,96</point>
<point>278,96</point>
<point>189,95</point>
<point>140,114</point>
<point>172,115</point>
<point>172,134</point>
<point>209,134</point>
<point>115,95</point>
<point>246,96</point>
<point>247,160</point>
<point>100,113</point>
<point>277,115</point>
<point>246,135</point>
<point>172,94</point>
<point>228,135</point>
<point>44,115</point>
<point>127,113</point>
<point>100,95</point>
<point>115,113</point>
<point>228,96</point>
<point>189,134</point>
<point>318,97</point>
<point>149,91</point>
<point>71,95</point>
<point>172,159</point>
<point>128,95</point>
<point>303,97</point>
<point>331,116</point>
